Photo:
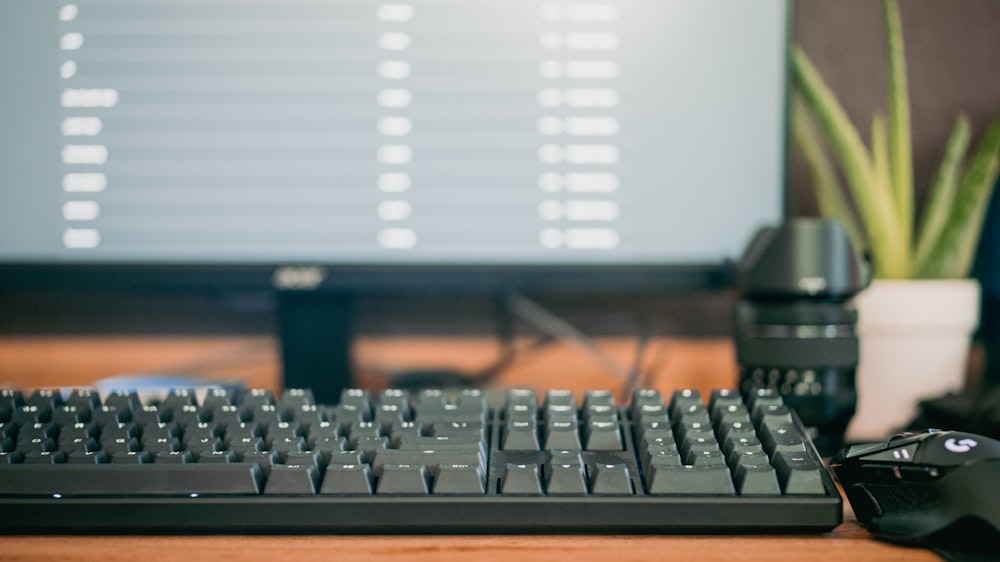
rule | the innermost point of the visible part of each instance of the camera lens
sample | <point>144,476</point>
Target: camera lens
<point>807,351</point>
<point>795,325</point>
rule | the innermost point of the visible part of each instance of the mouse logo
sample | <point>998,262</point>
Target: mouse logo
<point>959,445</point>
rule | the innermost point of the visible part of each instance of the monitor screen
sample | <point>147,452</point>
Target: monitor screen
<point>353,133</point>
<point>167,163</point>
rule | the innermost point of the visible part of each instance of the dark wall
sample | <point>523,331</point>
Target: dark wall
<point>953,58</point>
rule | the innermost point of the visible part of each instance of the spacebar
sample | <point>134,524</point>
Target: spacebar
<point>66,480</point>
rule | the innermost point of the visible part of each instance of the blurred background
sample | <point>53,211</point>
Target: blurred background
<point>953,57</point>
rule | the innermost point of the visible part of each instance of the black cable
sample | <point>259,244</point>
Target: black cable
<point>635,377</point>
<point>504,322</point>
<point>506,335</point>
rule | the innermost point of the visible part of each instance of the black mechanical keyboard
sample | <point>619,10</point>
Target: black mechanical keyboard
<point>442,461</point>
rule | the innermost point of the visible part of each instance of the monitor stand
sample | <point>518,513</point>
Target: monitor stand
<point>315,328</point>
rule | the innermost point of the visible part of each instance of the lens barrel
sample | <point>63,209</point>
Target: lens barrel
<point>795,325</point>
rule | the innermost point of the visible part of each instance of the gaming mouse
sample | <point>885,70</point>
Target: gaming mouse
<point>929,488</point>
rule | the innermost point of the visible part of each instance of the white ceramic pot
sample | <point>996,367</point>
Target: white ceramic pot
<point>915,337</point>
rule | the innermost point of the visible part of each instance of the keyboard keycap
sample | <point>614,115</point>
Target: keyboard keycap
<point>347,479</point>
<point>687,479</point>
<point>603,436</point>
<point>562,435</point>
<point>125,480</point>
<point>520,435</point>
<point>565,479</point>
<point>521,480</point>
<point>611,480</point>
<point>756,480</point>
<point>799,474</point>
<point>402,479</point>
<point>292,479</point>
<point>459,479</point>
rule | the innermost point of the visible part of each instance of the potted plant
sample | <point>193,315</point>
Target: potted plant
<point>919,313</point>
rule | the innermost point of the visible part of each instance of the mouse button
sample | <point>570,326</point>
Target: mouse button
<point>864,505</point>
<point>919,473</point>
<point>855,451</point>
<point>878,473</point>
<point>901,439</point>
<point>903,454</point>
<point>953,448</point>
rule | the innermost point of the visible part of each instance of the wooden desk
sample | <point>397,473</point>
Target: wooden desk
<point>847,543</point>
<point>31,362</point>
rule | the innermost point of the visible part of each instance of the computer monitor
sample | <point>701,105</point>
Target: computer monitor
<point>337,150</point>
